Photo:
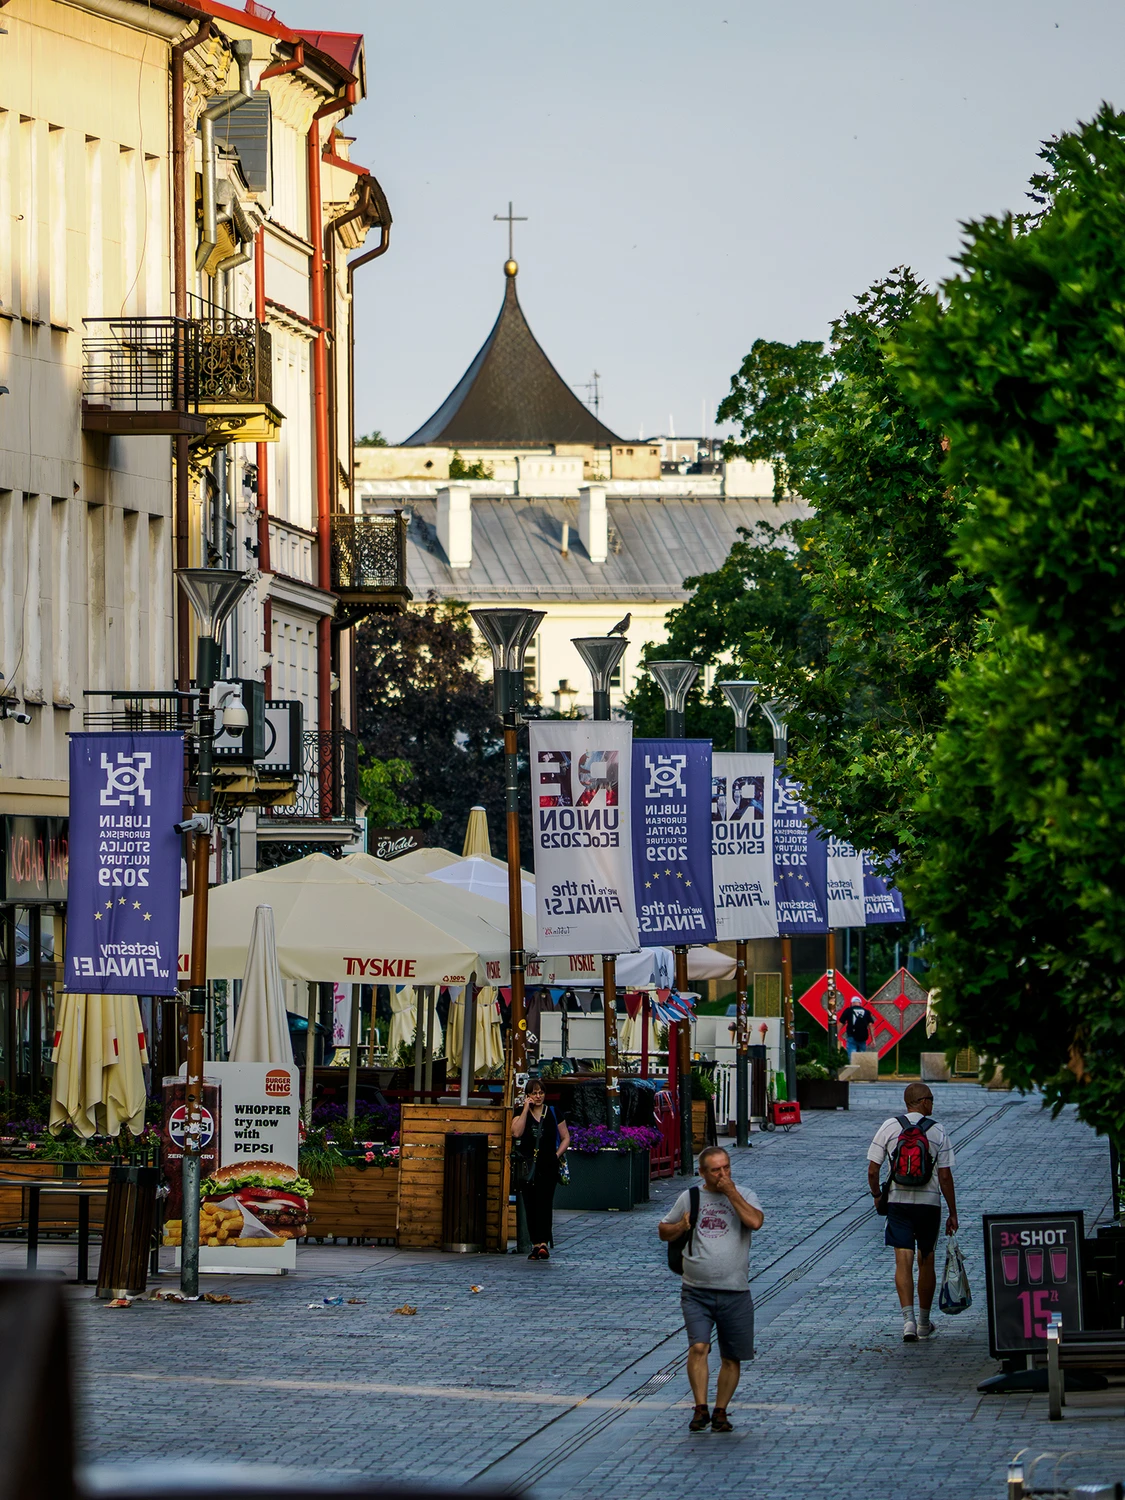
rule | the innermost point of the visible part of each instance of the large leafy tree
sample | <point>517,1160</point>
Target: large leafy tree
<point>874,611</point>
<point>1022,886</point>
<point>422,700</point>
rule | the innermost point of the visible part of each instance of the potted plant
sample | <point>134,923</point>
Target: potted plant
<point>354,1166</point>
<point>608,1168</point>
<point>818,1086</point>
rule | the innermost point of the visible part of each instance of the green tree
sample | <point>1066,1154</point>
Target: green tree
<point>373,439</point>
<point>380,785</point>
<point>1021,886</point>
<point>459,469</point>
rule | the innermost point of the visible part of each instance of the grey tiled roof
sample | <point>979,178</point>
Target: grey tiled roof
<point>654,544</point>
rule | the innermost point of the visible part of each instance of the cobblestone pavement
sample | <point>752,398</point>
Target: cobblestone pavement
<point>567,1378</point>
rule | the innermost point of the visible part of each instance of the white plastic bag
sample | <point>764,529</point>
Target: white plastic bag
<point>955,1295</point>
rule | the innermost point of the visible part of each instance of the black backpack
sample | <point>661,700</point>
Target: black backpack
<point>677,1246</point>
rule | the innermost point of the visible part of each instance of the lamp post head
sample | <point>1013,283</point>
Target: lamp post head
<point>213,594</point>
<point>741,696</point>
<point>777,711</point>
<point>508,633</point>
<point>601,653</point>
<point>674,678</point>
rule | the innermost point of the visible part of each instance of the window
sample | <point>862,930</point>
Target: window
<point>767,995</point>
<point>531,668</point>
<point>56,220</point>
<point>60,584</point>
<point>94,248</point>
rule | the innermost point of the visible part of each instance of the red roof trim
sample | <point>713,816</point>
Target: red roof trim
<point>282,33</point>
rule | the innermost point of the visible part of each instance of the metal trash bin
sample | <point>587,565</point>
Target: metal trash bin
<point>464,1196</point>
<point>130,1220</point>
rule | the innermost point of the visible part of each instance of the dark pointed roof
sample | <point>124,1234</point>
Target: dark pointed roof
<point>511,395</point>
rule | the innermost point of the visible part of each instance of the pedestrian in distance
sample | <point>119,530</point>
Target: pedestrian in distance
<point>540,1140</point>
<point>921,1174</point>
<point>858,1022</point>
<point>715,1221</point>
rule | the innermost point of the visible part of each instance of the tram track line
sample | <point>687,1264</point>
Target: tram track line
<point>633,1399</point>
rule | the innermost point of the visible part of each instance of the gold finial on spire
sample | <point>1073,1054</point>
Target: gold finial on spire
<point>510,268</point>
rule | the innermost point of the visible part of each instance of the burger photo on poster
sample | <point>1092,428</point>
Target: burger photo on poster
<point>270,1190</point>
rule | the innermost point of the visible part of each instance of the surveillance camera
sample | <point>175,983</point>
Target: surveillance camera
<point>199,824</point>
<point>22,718</point>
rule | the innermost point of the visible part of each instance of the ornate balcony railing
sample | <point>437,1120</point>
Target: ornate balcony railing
<point>235,357</point>
<point>328,783</point>
<point>369,560</point>
<point>141,375</point>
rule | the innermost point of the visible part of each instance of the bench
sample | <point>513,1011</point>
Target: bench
<point>1092,1349</point>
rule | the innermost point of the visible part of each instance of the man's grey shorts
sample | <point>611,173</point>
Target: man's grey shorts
<point>731,1313</point>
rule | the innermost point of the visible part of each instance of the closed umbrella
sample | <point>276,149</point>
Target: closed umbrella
<point>455,1027</point>
<point>488,1051</point>
<point>99,1053</point>
<point>404,1020</point>
<point>476,833</point>
<point>123,1084</point>
<point>68,1086</point>
<point>332,925</point>
<point>261,1029</point>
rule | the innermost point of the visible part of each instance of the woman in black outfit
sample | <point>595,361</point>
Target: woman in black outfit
<point>540,1140</point>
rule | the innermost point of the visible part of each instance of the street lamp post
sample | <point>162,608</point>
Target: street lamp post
<point>508,633</point>
<point>601,653</point>
<point>741,696</point>
<point>674,678</point>
<point>213,593</point>
<point>777,712</point>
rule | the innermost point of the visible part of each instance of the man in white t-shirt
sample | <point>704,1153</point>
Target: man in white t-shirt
<point>716,1287</point>
<point>914,1213</point>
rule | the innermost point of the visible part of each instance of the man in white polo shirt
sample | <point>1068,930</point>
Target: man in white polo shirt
<point>920,1154</point>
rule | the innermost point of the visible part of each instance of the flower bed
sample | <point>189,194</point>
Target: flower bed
<point>359,1202</point>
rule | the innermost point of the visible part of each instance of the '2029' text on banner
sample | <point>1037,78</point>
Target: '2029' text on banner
<point>672,841</point>
<point>581,785</point>
<point>742,845</point>
<point>123,910</point>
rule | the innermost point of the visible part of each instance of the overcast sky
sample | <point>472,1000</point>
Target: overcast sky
<point>696,173</point>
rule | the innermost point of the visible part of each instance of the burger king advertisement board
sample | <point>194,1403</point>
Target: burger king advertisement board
<point>254,1205</point>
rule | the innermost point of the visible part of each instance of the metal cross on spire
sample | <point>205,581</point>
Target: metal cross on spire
<point>510,218</point>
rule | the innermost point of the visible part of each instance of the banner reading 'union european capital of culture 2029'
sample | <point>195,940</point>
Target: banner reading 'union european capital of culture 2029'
<point>123,907</point>
<point>581,796</point>
<point>672,841</point>
<point>800,862</point>
<point>742,845</point>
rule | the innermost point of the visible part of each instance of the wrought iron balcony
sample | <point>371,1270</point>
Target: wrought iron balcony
<point>141,376</point>
<point>369,562</point>
<point>328,783</point>
<point>208,374</point>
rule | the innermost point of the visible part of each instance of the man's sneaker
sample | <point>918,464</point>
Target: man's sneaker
<point>926,1329</point>
<point>909,1331</point>
<point>700,1420</point>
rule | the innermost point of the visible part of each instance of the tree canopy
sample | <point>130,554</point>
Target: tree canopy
<point>1022,364</point>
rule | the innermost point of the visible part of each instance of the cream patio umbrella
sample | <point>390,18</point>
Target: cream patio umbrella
<point>476,834</point>
<point>404,1020</point>
<point>261,1028</point>
<point>455,1027</point>
<point>332,925</point>
<point>99,1052</point>
<point>488,1051</point>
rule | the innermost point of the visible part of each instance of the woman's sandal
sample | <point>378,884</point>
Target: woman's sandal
<point>700,1420</point>
<point>719,1422</point>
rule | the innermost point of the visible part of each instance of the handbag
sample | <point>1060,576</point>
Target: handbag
<point>883,1199</point>
<point>520,1169</point>
<point>955,1295</point>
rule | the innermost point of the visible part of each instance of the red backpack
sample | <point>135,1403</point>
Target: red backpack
<point>912,1159</point>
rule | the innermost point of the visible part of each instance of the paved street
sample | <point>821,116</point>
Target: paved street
<point>568,1378</point>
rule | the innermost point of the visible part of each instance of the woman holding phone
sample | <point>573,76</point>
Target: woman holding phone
<point>539,1142</point>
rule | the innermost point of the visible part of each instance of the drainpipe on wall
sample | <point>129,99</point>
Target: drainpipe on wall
<point>263,468</point>
<point>320,412</point>
<point>179,308</point>
<point>242,52</point>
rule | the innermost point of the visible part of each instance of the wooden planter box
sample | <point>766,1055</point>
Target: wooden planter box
<point>357,1204</point>
<point>822,1093</point>
<point>57,1215</point>
<point>703,1128</point>
<point>598,1180</point>
<point>422,1170</point>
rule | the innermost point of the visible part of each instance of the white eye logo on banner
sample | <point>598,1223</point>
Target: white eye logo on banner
<point>742,814</point>
<point>125,779</point>
<point>665,776</point>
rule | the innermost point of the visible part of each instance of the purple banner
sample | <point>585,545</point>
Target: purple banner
<point>123,908</point>
<point>672,842</point>
<point>880,902</point>
<point>800,863</point>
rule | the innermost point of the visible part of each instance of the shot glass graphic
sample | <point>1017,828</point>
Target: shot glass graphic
<point>1060,1264</point>
<point>1010,1263</point>
<point>1034,1260</point>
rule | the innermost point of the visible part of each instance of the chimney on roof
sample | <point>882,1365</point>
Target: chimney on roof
<point>455,524</point>
<point>593,523</point>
